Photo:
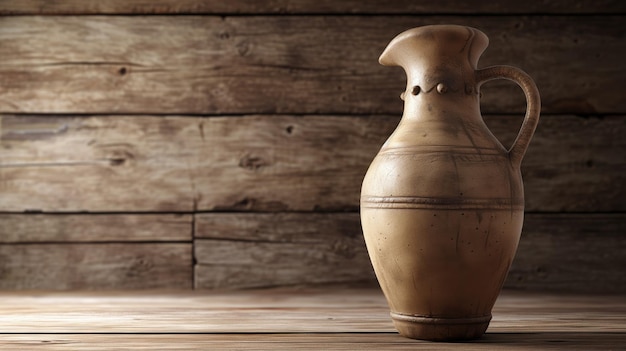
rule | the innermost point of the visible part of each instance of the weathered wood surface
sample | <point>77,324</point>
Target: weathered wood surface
<point>327,319</point>
<point>96,266</point>
<point>95,251</point>
<point>559,252</point>
<point>562,252</point>
<point>261,250</point>
<point>404,7</point>
<point>141,74</point>
<point>270,163</point>
<point>45,228</point>
<point>518,341</point>
<point>287,64</point>
<point>328,310</point>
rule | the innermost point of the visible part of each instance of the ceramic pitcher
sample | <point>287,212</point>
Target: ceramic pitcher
<point>442,203</point>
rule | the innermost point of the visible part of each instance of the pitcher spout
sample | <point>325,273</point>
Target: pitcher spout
<point>437,54</point>
<point>434,42</point>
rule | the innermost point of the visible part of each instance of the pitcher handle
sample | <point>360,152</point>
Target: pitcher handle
<point>533,105</point>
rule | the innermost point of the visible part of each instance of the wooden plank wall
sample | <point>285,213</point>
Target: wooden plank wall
<point>221,144</point>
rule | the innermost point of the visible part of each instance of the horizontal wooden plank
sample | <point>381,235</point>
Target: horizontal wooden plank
<point>260,250</point>
<point>286,64</point>
<point>321,311</point>
<point>25,228</point>
<point>269,163</point>
<point>307,6</point>
<point>317,311</point>
<point>582,176</point>
<point>335,320</point>
<point>583,341</point>
<point>569,252</point>
<point>560,252</point>
<point>95,266</point>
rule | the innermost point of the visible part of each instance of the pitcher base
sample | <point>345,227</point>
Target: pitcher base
<point>440,329</point>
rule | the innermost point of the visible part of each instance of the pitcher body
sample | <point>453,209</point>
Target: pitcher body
<point>442,203</point>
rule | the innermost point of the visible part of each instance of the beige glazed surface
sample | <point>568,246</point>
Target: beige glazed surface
<point>442,203</point>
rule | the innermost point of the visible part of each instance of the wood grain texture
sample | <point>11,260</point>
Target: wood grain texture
<point>35,7</point>
<point>269,163</point>
<point>261,250</point>
<point>183,164</point>
<point>258,311</point>
<point>328,319</point>
<point>31,228</point>
<point>327,105</point>
<point>501,341</point>
<point>563,252</point>
<point>287,64</point>
<point>521,341</point>
<point>329,310</point>
<point>535,341</point>
<point>95,266</point>
<point>555,175</point>
<point>559,252</point>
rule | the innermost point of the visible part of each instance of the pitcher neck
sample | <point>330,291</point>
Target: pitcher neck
<point>440,62</point>
<point>441,104</point>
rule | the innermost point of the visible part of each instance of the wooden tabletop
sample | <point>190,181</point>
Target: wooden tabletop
<point>329,319</point>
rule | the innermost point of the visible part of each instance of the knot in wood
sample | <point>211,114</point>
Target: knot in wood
<point>253,163</point>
